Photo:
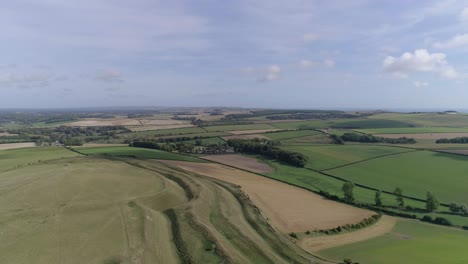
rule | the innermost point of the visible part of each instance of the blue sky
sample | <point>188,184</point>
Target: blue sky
<point>249,53</point>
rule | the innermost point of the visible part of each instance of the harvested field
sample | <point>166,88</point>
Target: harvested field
<point>315,244</point>
<point>424,135</point>
<point>17,145</point>
<point>241,162</point>
<point>4,134</point>
<point>257,131</point>
<point>289,208</point>
<point>251,136</point>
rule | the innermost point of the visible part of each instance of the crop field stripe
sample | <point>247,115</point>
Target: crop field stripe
<point>364,160</point>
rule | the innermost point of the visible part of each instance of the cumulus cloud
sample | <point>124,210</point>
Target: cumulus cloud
<point>419,61</point>
<point>463,15</point>
<point>310,37</point>
<point>306,63</point>
<point>108,75</point>
<point>329,63</point>
<point>420,84</point>
<point>272,73</point>
<point>455,42</point>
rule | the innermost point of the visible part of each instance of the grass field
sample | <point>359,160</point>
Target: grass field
<point>284,135</point>
<point>137,153</point>
<point>409,242</point>
<point>414,172</point>
<point>239,127</point>
<point>414,130</point>
<point>427,119</point>
<point>329,156</point>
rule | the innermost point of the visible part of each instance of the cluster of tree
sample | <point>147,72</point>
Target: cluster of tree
<point>67,135</point>
<point>350,227</point>
<point>364,138</point>
<point>458,208</point>
<point>336,139</point>
<point>182,147</point>
<point>437,220</point>
<point>309,116</point>
<point>268,113</point>
<point>267,148</point>
<point>459,140</point>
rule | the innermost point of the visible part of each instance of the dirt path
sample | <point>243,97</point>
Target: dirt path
<point>288,208</point>
<point>315,244</point>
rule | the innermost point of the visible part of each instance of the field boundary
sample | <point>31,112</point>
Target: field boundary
<point>364,160</point>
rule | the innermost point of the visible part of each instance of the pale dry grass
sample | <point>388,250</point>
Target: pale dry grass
<point>17,145</point>
<point>251,136</point>
<point>315,244</point>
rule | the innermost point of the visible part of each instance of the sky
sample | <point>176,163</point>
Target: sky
<point>334,54</point>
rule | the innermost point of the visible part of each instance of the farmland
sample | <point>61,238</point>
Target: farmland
<point>193,195</point>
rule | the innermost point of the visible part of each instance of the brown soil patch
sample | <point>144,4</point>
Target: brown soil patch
<point>242,162</point>
<point>288,208</point>
<point>252,136</point>
<point>17,145</point>
<point>315,244</point>
<point>256,131</point>
<point>424,135</point>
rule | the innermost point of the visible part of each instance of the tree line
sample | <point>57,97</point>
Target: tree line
<point>365,138</point>
<point>182,147</point>
<point>268,149</point>
<point>457,140</point>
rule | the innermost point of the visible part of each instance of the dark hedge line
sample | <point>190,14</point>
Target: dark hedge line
<point>363,138</point>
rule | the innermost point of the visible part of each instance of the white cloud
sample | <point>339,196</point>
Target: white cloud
<point>329,63</point>
<point>310,37</point>
<point>420,84</point>
<point>455,42</point>
<point>306,63</point>
<point>108,75</point>
<point>419,61</point>
<point>463,15</point>
<point>272,73</point>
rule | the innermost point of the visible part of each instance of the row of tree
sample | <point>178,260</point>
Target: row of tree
<point>459,140</point>
<point>431,201</point>
<point>268,149</point>
<point>364,138</point>
<point>182,147</point>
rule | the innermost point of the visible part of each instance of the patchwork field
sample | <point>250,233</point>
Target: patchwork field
<point>330,156</point>
<point>424,135</point>
<point>289,208</point>
<point>408,242</point>
<point>417,172</point>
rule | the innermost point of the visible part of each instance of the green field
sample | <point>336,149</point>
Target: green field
<point>427,119</point>
<point>414,172</point>
<point>284,135</point>
<point>409,242</point>
<point>14,158</point>
<point>330,156</point>
<point>414,130</point>
<point>239,127</point>
<point>137,153</point>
